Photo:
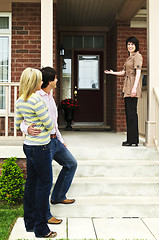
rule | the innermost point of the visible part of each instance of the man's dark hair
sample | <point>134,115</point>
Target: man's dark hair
<point>133,40</point>
<point>48,74</point>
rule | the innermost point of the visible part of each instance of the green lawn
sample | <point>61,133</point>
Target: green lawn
<point>8,216</point>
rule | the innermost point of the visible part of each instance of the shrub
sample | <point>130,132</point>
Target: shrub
<point>11,181</point>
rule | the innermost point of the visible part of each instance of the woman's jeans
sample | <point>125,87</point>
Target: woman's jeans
<point>131,119</point>
<point>37,188</point>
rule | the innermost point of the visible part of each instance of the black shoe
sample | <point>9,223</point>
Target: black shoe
<point>126,144</point>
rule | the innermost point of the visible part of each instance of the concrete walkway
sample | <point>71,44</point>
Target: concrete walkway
<point>96,228</point>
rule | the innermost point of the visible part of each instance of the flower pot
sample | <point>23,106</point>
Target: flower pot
<point>69,115</point>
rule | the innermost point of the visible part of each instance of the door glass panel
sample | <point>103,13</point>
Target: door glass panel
<point>67,41</point>
<point>88,41</point>
<point>78,42</point>
<point>66,79</point>
<point>88,74</point>
<point>98,42</point>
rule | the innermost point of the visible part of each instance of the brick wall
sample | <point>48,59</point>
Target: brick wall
<point>117,56</point>
<point>26,38</point>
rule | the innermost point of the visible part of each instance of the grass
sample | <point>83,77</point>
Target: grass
<point>8,216</point>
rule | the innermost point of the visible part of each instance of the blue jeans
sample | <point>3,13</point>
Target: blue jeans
<point>37,188</point>
<point>69,164</point>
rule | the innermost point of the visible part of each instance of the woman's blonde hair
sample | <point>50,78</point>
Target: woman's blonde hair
<point>29,81</point>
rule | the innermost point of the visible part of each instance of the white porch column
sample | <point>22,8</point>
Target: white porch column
<point>153,66</point>
<point>47,33</point>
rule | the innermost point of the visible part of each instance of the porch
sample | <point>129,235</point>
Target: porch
<point>10,136</point>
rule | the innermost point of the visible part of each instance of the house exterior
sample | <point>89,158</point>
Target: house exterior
<point>80,39</point>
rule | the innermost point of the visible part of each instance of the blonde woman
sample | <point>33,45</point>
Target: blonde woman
<point>32,109</point>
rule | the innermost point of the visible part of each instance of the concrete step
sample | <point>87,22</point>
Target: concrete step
<point>114,168</point>
<point>132,206</point>
<point>97,186</point>
<point>114,153</point>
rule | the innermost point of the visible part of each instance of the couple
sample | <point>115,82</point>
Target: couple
<point>36,116</point>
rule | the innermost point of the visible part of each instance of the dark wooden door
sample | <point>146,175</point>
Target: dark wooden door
<point>88,82</point>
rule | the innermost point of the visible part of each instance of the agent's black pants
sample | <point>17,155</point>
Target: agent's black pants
<point>131,119</point>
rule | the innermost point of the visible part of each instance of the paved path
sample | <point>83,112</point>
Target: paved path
<point>97,228</point>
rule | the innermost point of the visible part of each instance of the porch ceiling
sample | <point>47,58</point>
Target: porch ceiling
<point>95,13</point>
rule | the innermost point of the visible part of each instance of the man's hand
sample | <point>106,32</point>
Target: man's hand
<point>33,131</point>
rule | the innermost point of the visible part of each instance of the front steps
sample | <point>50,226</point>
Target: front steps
<point>112,182</point>
<point>112,189</point>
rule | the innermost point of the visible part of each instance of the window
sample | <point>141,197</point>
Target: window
<point>66,75</point>
<point>83,41</point>
<point>88,74</point>
<point>5,54</point>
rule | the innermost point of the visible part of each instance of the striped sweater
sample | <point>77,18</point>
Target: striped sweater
<point>34,110</point>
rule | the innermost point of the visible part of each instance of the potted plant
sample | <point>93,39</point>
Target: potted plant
<point>69,105</point>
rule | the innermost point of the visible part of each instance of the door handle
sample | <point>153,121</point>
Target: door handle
<point>75,91</point>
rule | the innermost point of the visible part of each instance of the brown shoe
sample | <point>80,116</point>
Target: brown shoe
<point>51,235</point>
<point>54,220</point>
<point>66,201</point>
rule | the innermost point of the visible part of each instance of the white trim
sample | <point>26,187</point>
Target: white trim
<point>138,24</point>
<point>46,33</point>
<point>152,67</point>
<point>7,33</point>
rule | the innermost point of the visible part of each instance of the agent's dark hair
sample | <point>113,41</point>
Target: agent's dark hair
<point>133,40</point>
<point>48,74</point>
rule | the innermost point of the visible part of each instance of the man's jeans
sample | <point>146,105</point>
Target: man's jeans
<point>63,157</point>
<point>37,188</point>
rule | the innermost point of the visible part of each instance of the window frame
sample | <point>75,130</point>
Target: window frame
<point>7,33</point>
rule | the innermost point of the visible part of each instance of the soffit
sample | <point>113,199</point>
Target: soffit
<point>130,8</point>
<point>95,13</point>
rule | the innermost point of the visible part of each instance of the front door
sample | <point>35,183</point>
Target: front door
<point>88,83</point>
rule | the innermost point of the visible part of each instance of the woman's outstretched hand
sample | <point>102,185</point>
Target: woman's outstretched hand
<point>108,71</point>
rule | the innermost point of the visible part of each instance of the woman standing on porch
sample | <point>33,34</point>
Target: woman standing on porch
<point>32,109</point>
<point>132,89</point>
